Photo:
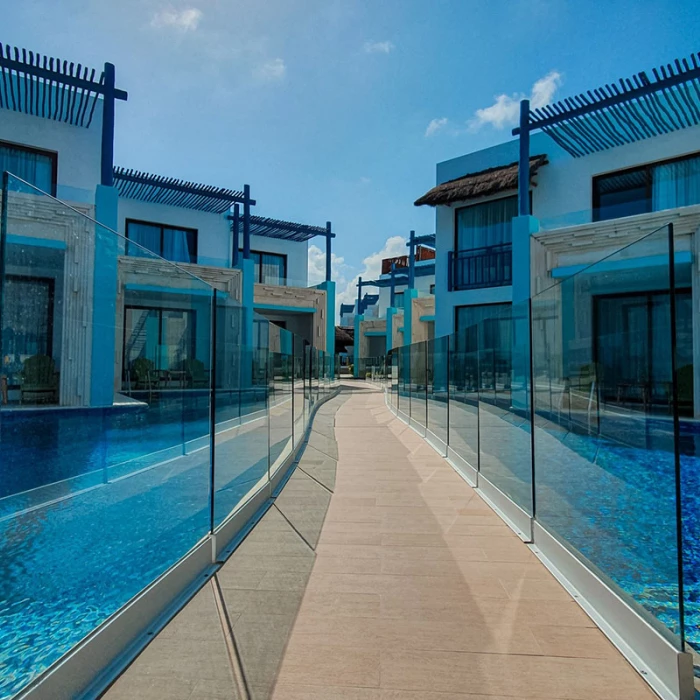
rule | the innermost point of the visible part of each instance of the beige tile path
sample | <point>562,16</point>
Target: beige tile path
<point>379,574</point>
<point>420,592</point>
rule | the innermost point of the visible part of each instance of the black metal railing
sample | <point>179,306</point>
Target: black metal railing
<point>481,267</point>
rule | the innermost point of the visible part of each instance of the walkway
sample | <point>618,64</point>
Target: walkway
<point>415,590</point>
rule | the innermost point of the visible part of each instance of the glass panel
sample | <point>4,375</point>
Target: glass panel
<point>299,393</point>
<point>464,395</point>
<point>36,167</point>
<point>504,403</point>
<point>604,430</point>
<point>106,486</point>
<point>438,365</point>
<point>280,393</point>
<point>418,383</point>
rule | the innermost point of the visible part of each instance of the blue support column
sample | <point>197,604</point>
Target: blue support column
<point>390,313</point>
<point>235,230</point>
<point>329,235</point>
<point>356,346</point>
<point>329,288</point>
<point>103,379</point>
<point>392,275</point>
<point>248,313</point>
<point>107,155</point>
<point>411,260</point>
<point>524,160</point>
<point>246,222</point>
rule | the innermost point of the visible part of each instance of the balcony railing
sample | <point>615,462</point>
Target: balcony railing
<point>481,267</point>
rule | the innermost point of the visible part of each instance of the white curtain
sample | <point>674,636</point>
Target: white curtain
<point>676,184</point>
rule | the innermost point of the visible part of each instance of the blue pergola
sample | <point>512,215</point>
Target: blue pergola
<point>157,189</point>
<point>54,89</point>
<point>630,110</point>
<point>282,230</point>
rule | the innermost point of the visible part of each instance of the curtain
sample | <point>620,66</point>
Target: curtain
<point>676,184</point>
<point>272,269</point>
<point>178,245</point>
<point>35,168</point>
<point>485,225</point>
<point>146,235</point>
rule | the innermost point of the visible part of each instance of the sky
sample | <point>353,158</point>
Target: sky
<point>340,109</point>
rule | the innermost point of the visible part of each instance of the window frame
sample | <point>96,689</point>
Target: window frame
<point>644,167</point>
<point>474,204</point>
<point>268,252</point>
<point>160,310</point>
<point>53,155</point>
<point>162,228</point>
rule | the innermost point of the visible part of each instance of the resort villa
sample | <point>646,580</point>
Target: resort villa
<point>403,310</point>
<point>65,273</point>
<point>193,506</point>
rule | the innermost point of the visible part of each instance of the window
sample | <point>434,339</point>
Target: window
<point>27,322</point>
<point>432,289</point>
<point>674,183</point>
<point>163,337</point>
<point>270,268</point>
<point>485,225</point>
<point>37,167</point>
<point>398,300</point>
<point>174,244</point>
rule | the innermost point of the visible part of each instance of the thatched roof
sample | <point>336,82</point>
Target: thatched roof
<point>344,336</point>
<point>481,184</point>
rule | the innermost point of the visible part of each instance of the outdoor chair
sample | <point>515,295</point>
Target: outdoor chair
<point>141,372</point>
<point>197,377</point>
<point>39,380</point>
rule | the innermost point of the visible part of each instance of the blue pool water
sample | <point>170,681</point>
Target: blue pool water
<point>66,566</point>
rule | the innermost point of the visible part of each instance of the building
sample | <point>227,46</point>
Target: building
<point>404,309</point>
<point>602,171</point>
<point>57,137</point>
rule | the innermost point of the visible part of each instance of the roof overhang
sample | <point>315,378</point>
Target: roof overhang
<point>479,184</point>
<point>156,189</point>
<point>630,110</point>
<point>286,230</point>
<point>49,87</point>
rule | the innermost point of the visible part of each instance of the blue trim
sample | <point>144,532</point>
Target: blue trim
<point>680,258</point>
<point>283,307</point>
<point>36,242</point>
<point>428,318</point>
<point>400,329</point>
<point>172,290</point>
<point>375,334</point>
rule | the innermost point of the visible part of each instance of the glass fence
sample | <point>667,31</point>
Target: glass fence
<point>580,406</point>
<point>139,408</point>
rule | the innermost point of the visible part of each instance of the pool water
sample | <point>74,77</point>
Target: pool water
<point>66,566</point>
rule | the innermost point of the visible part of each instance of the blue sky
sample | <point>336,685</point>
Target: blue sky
<point>324,106</point>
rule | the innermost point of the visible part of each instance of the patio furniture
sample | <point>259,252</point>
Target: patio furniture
<point>141,373</point>
<point>39,380</point>
<point>197,376</point>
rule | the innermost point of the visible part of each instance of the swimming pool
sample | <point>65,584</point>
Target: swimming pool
<point>69,562</point>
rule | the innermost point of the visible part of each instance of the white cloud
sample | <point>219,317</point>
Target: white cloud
<point>346,289</point>
<point>379,47</point>
<point>505,110</point>
<point>435,126</point>
<point>317,266</point>
<point>185,20</point>
<point>270,71</point>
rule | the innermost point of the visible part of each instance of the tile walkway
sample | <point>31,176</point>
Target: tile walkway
<point>408,588</point>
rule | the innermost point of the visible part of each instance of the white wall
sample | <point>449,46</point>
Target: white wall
<point>562,197</point>
<point>78,148</point>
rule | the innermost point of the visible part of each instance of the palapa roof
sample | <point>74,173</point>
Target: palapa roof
<point>480,184</point>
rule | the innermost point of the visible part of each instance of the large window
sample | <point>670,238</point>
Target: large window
<point>27,322</point>
<point>632,351</point>
<point>485,225</point>
<point>674,183</point>
<point>270,268</point>
<point>163,339</point>
<point>35,166</point>
<point>175,244</point>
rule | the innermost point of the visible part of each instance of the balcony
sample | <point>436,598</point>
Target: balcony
<point>480,267</point>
